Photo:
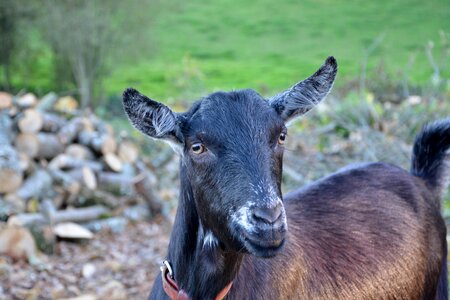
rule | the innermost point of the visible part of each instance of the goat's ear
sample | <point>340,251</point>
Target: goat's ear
<point>303,96</point>
<point>152,118</point>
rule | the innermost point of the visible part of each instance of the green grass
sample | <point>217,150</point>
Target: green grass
<point>268,45</point>
<point>202,46</point>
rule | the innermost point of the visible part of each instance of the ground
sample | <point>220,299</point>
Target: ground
<point>111,266</point>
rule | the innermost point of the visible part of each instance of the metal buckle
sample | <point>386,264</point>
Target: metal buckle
<point>167,265</point>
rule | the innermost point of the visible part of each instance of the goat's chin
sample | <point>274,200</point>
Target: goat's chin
<point>262,249</point>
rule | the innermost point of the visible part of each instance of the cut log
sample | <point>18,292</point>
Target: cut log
<point>116,179</point>
<point>26,164</point>
<point>89,178</point>
<point>100,126</point>
<point>41,145</point>
<point>80,152</point>
<point>144,188</point>
<point>84,175</point>
<point>49,145</point>
<point>100,143</point>
<point>113,162</point>
<point>13,111</point>
<point>10,180</point>
<point>6,100</point>
<point>37,185</point>
<point>69,230</point>
<point>48,209</point>
<point>115,183</point>
<point>68,182</point>
<point>66,162</point>
<point>114,224</point>
<point>66,104</point>
<point>143,168</point>
<point>6,135</point>
<point>26,219</point>
<point>26,101</point>
<point>98,196</point>
<point>68,133</point>
<point>145,185</point>
<point>18,243</point>
<point>130,171</point>
<point>45,238</point>
<point>31,121</point>
<point>59,162</point>
<point>11,174</point>
<point>52,122</point>
<point>77,215</point>
<point>87,124</point>
<point>47,102</point>
<point>63,196</point>
<point>28,144</point>
<point>128,152</point>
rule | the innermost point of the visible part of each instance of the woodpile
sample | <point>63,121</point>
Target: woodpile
<point>61,165</point>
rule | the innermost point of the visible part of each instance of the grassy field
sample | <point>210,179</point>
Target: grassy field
<point>268,45</point>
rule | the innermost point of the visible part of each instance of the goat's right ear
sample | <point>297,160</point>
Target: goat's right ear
<point>152,118</point>
<point>306,94</point>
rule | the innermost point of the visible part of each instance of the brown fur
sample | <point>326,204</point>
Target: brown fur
<point>335,250</point>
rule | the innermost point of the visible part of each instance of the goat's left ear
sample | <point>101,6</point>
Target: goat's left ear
<point>151,117</point>
<point>303,96</point>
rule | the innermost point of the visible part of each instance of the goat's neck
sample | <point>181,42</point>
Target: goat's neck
<point>201,268</point>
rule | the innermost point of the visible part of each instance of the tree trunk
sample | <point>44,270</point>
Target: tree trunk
<point>84,84</point>
<point>7,77</point>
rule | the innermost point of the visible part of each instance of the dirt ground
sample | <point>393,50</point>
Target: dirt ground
<point>111,266</point>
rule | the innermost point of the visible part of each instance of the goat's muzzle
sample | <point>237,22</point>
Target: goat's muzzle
<point>266,230</point>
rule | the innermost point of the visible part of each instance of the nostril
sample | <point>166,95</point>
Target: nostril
<point>267,215</point>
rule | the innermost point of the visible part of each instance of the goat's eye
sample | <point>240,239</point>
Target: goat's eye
<point>282,138</point>
<point>198,148</point>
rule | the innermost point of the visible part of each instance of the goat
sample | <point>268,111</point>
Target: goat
<point>372,231</point>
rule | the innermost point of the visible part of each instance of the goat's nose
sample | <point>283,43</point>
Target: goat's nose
<point>267,215</point>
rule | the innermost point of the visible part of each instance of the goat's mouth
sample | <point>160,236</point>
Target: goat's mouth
<point>262,240</point>
<point>262,247</point>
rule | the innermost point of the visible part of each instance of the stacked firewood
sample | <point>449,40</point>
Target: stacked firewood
<point>56,160</point>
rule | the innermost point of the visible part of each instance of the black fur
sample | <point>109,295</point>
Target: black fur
<point>429,154</point>
<point>367,232</point>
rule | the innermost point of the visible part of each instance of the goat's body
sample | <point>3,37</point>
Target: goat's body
<point>364,233</point>
<point>369,232</point>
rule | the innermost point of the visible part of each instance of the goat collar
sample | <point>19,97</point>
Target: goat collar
<point>173,291</point>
